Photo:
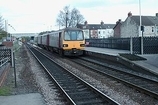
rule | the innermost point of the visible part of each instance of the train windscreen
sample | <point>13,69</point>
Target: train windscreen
<point>73,35</point>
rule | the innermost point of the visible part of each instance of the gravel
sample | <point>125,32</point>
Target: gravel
<point>31,78</point>
<point>121,93</point>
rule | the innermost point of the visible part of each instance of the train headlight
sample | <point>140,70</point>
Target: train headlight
<point>65,45</point>
<point>82,45</point>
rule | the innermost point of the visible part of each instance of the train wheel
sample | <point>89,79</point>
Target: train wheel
<point>61,53</point>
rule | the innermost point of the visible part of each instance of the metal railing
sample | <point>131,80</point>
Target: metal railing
<point>4,61</point>
<point>133,44</point>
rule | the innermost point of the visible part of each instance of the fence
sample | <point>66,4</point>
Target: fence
<point>150,44</point>
<point>4,61</point>
<point>5,56</point>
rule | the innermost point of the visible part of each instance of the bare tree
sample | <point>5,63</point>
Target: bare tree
<point>69,18</point>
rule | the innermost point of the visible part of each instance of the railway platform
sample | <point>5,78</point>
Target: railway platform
<point>23,99</point>
<point>145,62</point>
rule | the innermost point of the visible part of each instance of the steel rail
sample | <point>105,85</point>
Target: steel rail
<point>82,88</point>
<point>123,77</point>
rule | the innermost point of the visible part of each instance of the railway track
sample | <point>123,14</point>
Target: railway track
<point>143,83</point>
<point>75,90</point>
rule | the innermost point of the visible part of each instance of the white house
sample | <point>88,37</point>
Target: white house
<point>86,33</point>
<point>97,30</point>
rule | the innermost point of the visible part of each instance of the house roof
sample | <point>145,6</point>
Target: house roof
<point>97,26</point>
<point>146,20</point>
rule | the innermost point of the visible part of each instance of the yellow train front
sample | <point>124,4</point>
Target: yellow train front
<point>66,42</point>
<point>73,42</point>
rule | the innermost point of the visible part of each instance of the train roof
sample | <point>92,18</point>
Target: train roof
<point>64,29</point>
<point>71,28</point>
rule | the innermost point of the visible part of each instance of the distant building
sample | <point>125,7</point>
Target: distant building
<point>24,34</point>
<point>7,44</point>
<point>97,30</point>
<point>130,27</point>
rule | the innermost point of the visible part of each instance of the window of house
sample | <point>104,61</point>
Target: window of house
<point>99,32</point>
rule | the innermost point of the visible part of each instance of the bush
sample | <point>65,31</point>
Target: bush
<point>4,91</point>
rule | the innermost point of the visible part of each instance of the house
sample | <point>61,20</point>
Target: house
<point>97,30</point>
<point>131,26</point>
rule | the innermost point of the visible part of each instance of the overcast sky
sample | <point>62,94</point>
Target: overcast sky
<point>40,15</point>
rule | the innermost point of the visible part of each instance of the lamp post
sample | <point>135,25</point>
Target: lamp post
<point>6,28</point>
<point>66,18</point>
<point>140,28</point>
<point>140,18</point>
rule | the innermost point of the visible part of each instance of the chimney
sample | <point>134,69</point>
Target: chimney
<point>129,14</point>
<point>156,14</point>
<point>102,23</point>
<point>118,21</point>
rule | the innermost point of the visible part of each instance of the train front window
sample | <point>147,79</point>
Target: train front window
<point>73,35</point>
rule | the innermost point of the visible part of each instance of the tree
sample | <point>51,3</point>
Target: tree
<point>69,18</point>
<point>3,34</point>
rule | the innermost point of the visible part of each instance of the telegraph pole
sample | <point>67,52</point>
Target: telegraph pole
<point>6,28</point>
<point>66,19</point>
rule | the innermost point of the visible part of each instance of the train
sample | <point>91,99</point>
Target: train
<point>69,41</point>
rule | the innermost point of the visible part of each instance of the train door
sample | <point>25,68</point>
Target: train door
<point>60,40</point>
<point>47,40</point>
<point>60,50</point>
<point>41,41</point>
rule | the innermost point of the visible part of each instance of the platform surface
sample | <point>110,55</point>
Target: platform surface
<point>24,99</point>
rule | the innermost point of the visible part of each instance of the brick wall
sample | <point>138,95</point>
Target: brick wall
<point>7,43</point>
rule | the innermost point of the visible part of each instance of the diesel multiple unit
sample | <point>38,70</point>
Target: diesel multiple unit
<point>66,42</point>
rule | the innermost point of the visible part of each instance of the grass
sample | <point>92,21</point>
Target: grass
<point>4,91</point>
